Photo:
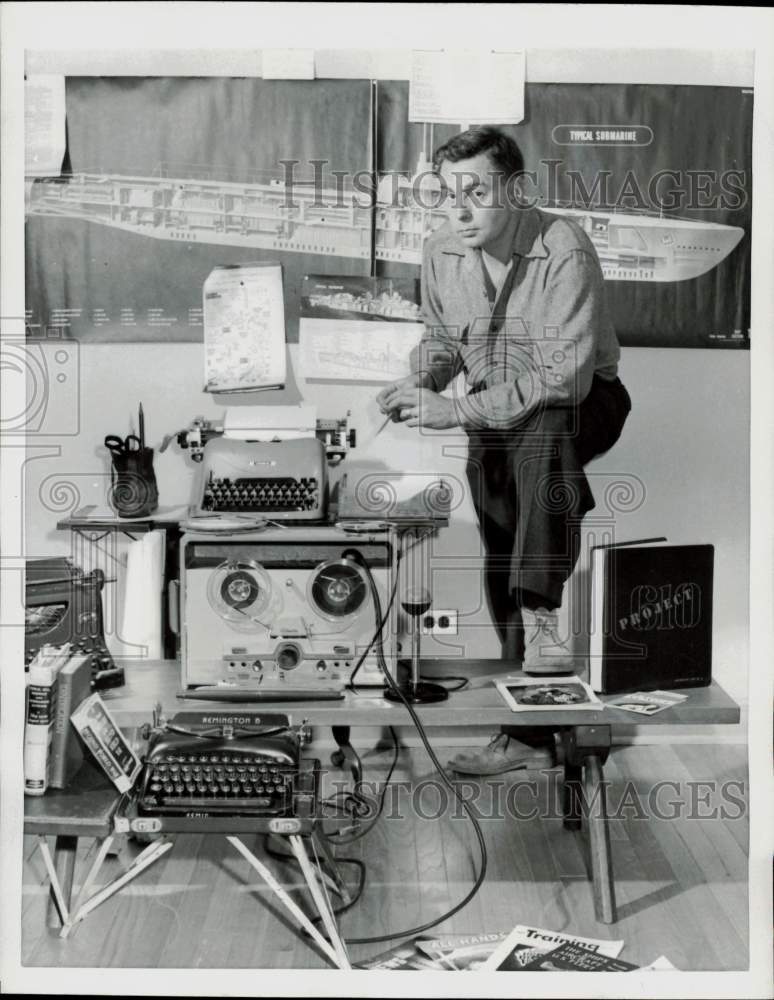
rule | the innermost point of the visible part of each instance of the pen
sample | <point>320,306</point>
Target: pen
<point>142,428</point>
<point>387,420</point>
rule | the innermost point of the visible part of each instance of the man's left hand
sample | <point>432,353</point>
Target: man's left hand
<point>424,408</point>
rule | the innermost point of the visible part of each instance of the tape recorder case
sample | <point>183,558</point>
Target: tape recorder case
<point>291,607</point>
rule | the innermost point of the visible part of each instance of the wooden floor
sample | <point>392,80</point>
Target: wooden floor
<point>681,879</point>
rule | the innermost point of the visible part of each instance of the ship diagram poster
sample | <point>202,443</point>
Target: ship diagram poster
<point>358,329</point>
<point>659,177</point>
<point>166,178</point>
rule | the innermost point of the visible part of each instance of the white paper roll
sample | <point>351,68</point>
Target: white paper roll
<point>141,626</point>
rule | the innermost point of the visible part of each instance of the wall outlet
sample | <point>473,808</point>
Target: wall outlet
<point>439,622</point>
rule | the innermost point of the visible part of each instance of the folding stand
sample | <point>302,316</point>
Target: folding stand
<point>316,878</point>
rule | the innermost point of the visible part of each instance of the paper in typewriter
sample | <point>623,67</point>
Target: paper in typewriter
<point>244,328</point>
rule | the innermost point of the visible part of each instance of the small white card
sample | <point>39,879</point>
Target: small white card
<point>646,702</point>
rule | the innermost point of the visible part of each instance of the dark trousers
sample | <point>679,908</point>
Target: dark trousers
<point>530,494</point>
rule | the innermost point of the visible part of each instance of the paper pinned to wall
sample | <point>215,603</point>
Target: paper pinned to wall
<point>244,328</point>
<point>44,124</point>
<point>361,353</point>
<point>467,87</point>
<point>357,329</point>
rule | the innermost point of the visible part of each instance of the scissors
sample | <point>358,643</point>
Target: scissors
<point>118,447</point>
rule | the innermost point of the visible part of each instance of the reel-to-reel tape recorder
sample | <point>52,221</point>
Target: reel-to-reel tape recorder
<point>287,608</point>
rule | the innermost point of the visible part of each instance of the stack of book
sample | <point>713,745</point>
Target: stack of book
<point>57,683</point>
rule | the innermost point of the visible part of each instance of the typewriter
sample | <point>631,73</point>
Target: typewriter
<point>201,766</point>
<point>64,604</point>
<point>280,480</point>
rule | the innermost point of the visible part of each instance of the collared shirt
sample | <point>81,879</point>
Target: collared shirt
<point>539,342</point>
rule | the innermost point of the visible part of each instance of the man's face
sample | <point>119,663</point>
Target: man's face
<point>476,202</point>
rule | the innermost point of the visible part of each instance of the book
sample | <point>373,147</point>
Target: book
<point>570,957</point>
<point>39,709</point>
<point>647,702</point>
<point>73,685</point>
<point>547,694</point>
<point>104,739</point>
<point>651,624</point>
<point>524,942</point>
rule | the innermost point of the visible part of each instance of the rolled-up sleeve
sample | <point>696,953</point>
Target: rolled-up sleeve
<point>556,365</point>
<point>436,357</point>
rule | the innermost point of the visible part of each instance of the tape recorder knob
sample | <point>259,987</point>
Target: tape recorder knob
<point>288,656</point>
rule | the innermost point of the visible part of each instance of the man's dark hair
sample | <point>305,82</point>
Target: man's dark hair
<point>501,148</point>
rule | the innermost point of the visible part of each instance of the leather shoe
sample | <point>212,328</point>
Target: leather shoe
<point>504,753</point>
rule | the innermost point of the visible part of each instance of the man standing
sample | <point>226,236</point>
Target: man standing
<point>514,298</point>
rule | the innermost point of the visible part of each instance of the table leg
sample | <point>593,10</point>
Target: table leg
<point>571,796</point>
<point>65,849</point>
<point>599,840</point>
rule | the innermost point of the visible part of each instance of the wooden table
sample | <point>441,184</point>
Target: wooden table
<point>151,681</point>
<point>85,809</point>
<point>586,734</point>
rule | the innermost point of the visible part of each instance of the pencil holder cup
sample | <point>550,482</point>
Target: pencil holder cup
<point>133,489</point>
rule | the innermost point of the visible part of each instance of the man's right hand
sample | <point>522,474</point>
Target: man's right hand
<point>386,400</point>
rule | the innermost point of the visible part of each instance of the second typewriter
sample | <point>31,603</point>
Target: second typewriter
<point>212,766</point>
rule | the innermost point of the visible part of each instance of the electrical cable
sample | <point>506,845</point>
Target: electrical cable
<point>479,880</point>
<point>377,636</point>
<point>462,682</point>
<point>361,802</point>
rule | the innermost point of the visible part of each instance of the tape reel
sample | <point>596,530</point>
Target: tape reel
<point>241,593</point>
<point>338,590</point>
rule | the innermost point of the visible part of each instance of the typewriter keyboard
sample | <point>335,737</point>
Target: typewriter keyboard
<point>228,782</point>
<point>261,495</point>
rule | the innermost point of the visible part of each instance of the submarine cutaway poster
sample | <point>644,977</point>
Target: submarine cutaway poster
<point>164,179</point>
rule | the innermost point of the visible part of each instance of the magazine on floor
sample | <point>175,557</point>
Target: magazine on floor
<point>575,958</point>
<point>525,943</point>
<point>460,951</point>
